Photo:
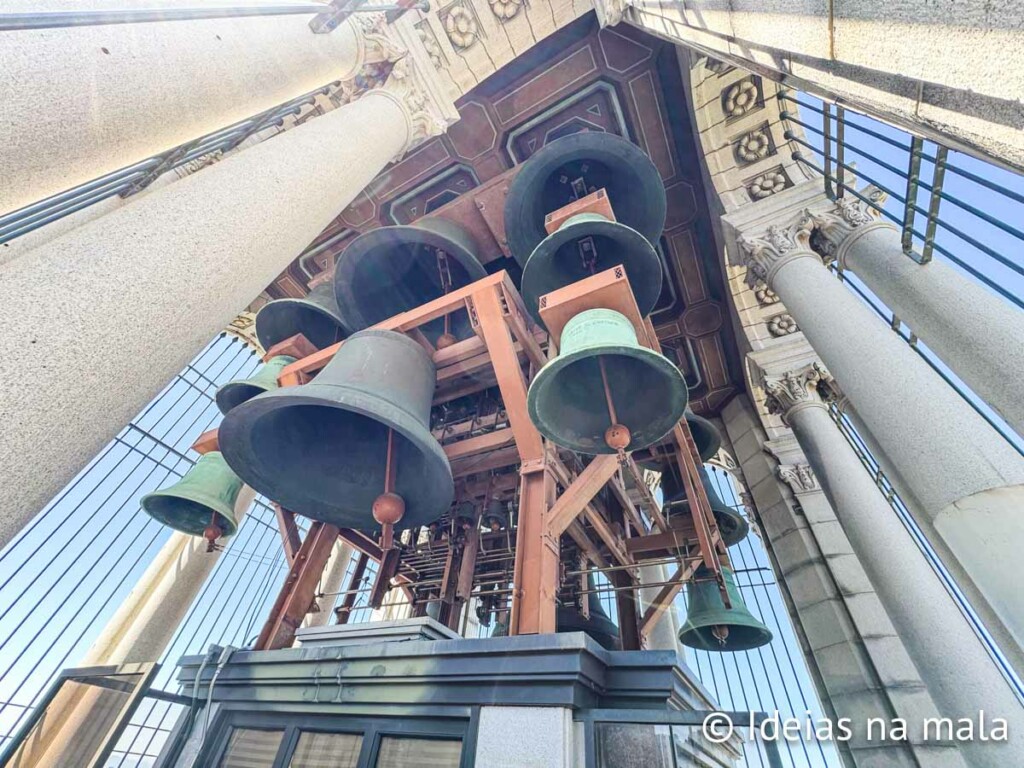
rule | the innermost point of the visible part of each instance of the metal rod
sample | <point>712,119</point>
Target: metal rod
<point>57,19</point>
<point>631,566</point>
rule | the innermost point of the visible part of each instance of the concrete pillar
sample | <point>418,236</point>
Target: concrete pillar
<point>965,478</point>
<point>330,584</point>
<point>140,631</point>
<point>662,636</point>
<point>80,102</point>
<point>959,674</point>
<point>973,331</point>
<point>151,282</point>
<point>857,660</point>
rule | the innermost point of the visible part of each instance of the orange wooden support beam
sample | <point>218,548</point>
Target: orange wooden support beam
<point>649,502</point>
<point>472,446</point>
<point>507,370</point>
<point>206,442</point>
<point>535,577</point>
<point>665,596</point>
<point>349,600</point>
<point>299,588</point>
<point>576,497</point>
<point>290,539</point>
<point>297,346</point>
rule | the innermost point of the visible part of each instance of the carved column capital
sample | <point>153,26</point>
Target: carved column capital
<point>780,244</point>
<point>799,477</point>
<point>610,12</point>
<point>795,389</point>
<point>832,227</point>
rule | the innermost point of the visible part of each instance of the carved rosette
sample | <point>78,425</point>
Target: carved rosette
<point>765,296</point>
<point>794,389</point>
<point>799,477</point>
<point>740,98</point>
<point>505,9</point>
<point>782,325</point>
<point>831,227</point>
<point>765,254</point>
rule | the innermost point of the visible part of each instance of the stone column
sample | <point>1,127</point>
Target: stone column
<point>959,674</point>
<point>83,101</point>
<point>965,479</point>
<point>662,636</point>
<point>150,283</point>
<point>979,335</point>
<point>330,584</point>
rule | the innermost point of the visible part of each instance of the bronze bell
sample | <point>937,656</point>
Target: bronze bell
<point>205,496</point>
<point>705,435</point>
<point>316,317</point>
<point>710,626</point>
<point>573,167</point>
<point>568,401</point>
<point>599,626</point>
<point>731,524</point>
<point>495,515</point>
<point>390,270</point>
<point>322,449</point>
<point>238,391</point>
<point>584,245</point>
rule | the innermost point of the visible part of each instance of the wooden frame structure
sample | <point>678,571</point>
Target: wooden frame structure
<point>556,497</point>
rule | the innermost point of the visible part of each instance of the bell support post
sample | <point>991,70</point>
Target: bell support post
<point>290,539</point>
<point>344,610</point>
<point>299,588</point>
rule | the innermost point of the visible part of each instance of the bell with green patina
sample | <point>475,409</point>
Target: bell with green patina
<point>315,316</point>
<point>237,392</point>
<point>599,625</point>
<point>207,493</point>
<point>731,524</point>
<point>710,626</point>
<point>321,449</point>
<point>567,400</point>
<point>584,245</point>
<point>705,435</point>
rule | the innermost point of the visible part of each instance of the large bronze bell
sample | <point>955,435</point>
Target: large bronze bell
<point>390,270</point>
<point>316,317</point>
<point>572,167</point>
<point>731,524</point>
<point>322,449</point>
<point>710,626</point>
<point>584,245</point>
<point>599,626</point>
<point>569,403</point>
<point>705,435</point>
<point>238,391</point>
<point>205,495</point>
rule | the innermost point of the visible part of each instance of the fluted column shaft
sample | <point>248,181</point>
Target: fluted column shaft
<point>950,659</point>
<point>98,320</point>
<point>966,480</point>
<point>976,333</point>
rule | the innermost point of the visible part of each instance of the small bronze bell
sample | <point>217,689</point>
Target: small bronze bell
<point>731,524</point>
<point>710,626</point>
<point>599,625</point>
<point>599,361</point>
<point>207,493</point>
<point>237,392</point>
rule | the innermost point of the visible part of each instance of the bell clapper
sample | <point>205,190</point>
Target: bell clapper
<point>211,533</point>
<point>389,507</point>
<point>721,633</point>
<point>447,338</point>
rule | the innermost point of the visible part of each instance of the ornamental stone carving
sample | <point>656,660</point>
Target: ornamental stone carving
<point>505,9</point>
<point>740,98</point>
<point>431,46</point>
<point>782,325</point>
<point>799,477</point>
<point>832,227</point>
<point>764,255</point>
<point>377,44</point>
<point>765,296</point>
<point>794,389</point>
<point>610,12</point>
<point>753,146</point>
<point>461,27</point>
<point>767,184</point>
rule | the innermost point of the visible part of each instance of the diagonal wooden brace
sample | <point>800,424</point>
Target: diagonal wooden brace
<point>665,597</point>
<point>578,495</point>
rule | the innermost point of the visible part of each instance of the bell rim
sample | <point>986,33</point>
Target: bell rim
<point>762,637</point>
<point>569,231</point>
<point>233,429</point>
<point>705,426</point>
<point>516,224</point>
<point>222,393</point>
<point>546,374</point>
<point>344,294</point>
<point>224,514</point>
<point>270,310</point>
<point>729,539</point>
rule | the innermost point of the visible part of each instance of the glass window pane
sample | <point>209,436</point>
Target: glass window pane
<point>326,750</point>
<point>249,748</point>
<point>634,745</point>
<point>396,752</point>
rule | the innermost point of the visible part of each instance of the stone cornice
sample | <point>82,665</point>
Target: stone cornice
<point>796,388</point>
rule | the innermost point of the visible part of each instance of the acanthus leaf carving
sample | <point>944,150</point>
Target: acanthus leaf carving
<point>799,477</point>
<point>762,254</point>
<point>794,387</point>
<point>831,227</point>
